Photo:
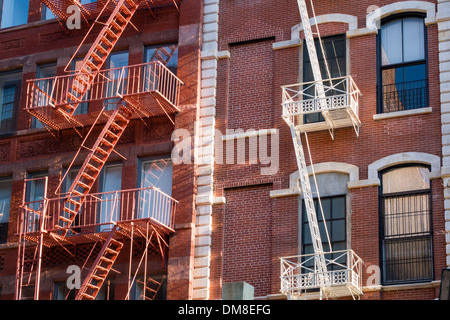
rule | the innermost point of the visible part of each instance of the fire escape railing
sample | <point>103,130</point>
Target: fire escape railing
<point>303,98</point>
<point>105,208</point>
<point>107,84</point>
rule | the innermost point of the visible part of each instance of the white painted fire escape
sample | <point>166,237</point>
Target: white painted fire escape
<point>299,279</point>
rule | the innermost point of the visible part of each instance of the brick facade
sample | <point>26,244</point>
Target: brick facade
<point>239,212</point>
<point>29,150</point>
<point>259,49</point>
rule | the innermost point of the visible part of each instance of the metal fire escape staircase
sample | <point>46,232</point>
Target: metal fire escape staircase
<point>101,266</point>
<point>99,52</point>
<point>93,164</point>
<point>297,279</point>
<point>95,160</point>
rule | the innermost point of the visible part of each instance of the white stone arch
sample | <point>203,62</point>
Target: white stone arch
<point>373,18</point>
<point>352,22</point>
<point>324,167</point>
<point>405,157</point>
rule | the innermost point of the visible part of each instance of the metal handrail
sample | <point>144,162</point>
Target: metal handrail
<point>297,275</point>
<point>104,208</point>
<point>107,84</point>
<point>297,99</point>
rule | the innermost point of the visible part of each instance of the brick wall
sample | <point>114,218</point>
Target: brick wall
<point>247,230</point>
<point>244,32</point>
<point>30,150</point>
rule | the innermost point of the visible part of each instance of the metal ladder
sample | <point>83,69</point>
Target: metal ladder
<point>93,164</point>
<point>29,260</point>
<point>320,262</point>
<point>312,52</point>
<point>316,239</point>
<point>98,53</point>
<point>101,267</point>
<point>151,288</point>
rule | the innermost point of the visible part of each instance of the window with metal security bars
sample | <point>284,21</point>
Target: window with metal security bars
<point>334,213</point>
<point>406,231</point>
<point>402,60</point>
<point>335,56</point>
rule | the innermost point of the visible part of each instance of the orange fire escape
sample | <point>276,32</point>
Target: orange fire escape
<point>108,219</point>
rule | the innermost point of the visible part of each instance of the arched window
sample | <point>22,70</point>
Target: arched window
<point>402,60</point>
<point>405,225</point>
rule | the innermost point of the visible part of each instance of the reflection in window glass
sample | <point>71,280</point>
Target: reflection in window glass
<point>403,70</point>
<point>47,14</point>
<point>115,60</point>
<point>44,71</point>
<point>166,54</point>
<point>13,13</point>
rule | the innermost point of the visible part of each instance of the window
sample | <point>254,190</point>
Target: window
<point>402,59</point>
<point>62,292</point>
<point>5,203</point>
<point>155,173</point>
<point>406,233</point>
<point>35,196</point>
<point>332,187</point>
<point>115,60</point>
<point>84,106</point>
<point>13,13</point>
<point>10,88</point>
<point>154,283</point>
<point>111,180</point>
<point>44,71</point>
<point>47,14</point>
<point>334,213</point>
<point>69,178</point>
<point>166,54</point>
<point>335,56</point>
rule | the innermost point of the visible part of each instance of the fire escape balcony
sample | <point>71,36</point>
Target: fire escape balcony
<point>99,212</point>
<point>92,10</point>
<point>150,88</point>
<point>300,278</point>
<point>337,101</point>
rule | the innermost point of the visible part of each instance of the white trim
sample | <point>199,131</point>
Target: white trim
<point>204,151</point>
<point>405,157</point>
<point>295,41</point>
<point>403,113</point>
<point>373,18</point>
<point>248,134</point>
<point>324,167</point>
<point>352,22</point>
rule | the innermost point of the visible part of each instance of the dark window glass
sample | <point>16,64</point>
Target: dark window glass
<point>335,52</point>
<point>334,214</point>
<point>10,88</point>
<point>166,54</point>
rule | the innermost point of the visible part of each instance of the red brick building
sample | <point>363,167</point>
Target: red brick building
<point>249,206</point>
<point>37,42</point>
<point>218,148</point>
